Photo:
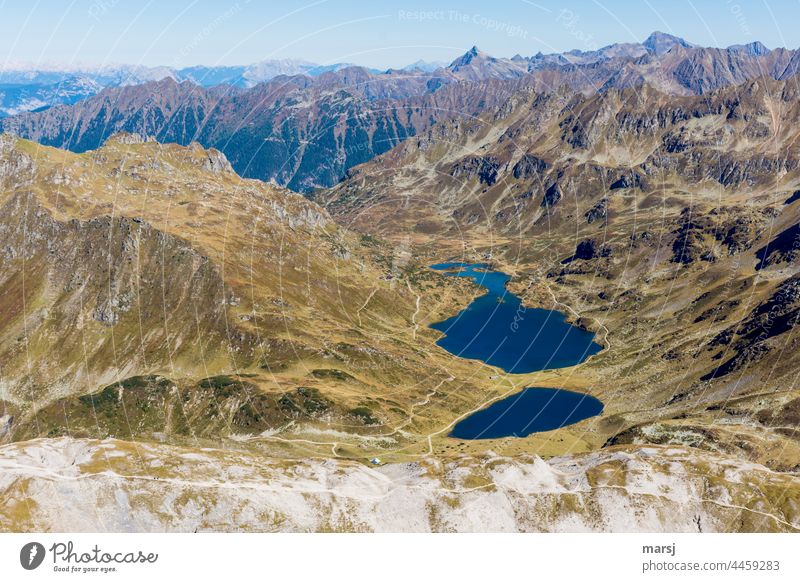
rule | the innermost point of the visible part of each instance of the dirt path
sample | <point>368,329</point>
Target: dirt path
<point>416,312</point>
<point>360,309</point>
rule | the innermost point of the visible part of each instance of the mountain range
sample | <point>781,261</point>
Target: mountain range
<point>27,87</point>
<point>305,128</point>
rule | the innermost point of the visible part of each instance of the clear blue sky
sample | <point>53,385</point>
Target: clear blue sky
<point>377,33</point>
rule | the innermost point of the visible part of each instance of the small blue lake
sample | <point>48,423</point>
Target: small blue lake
<point>497,329</point>
<point>532,410</point>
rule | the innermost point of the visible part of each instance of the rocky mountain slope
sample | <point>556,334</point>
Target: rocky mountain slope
<point>296,131</point>
<point>79,485</point>
<point>510,167</point>
<point>92,247</point>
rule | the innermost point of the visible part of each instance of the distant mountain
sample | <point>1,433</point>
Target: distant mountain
<point>664,60</point>
<point>18,98</point>
<point>298,131</point>
<point>26,87</point>
<point>103,75</point>
<point>251,75</point>
<point>210,76</point>
<point>424,66</point>
<point>754,49</point>
<point>120,75</point>
<point>659,43</point>
<point>667,62</point>
<point>577,57</point>
<point>476,65</point>
<point>269,69</point>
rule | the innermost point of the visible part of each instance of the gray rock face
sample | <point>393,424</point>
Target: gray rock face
<point>132,138</point>
<point>484,168</point>
<point>784,248</point>
<point>6,421</point>
<point>551,196</point>
<point>586,249</point>
<point>530,166</point>
<point>750,340</point>
<point>216,162</point>
<point>15,167</point>
<point>597,212</point>
<point>629,180</point>
<point>109,310</point>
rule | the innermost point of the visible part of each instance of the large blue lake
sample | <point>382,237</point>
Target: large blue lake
<point>497,329</point>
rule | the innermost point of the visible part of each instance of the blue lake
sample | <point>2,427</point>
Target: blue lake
<point>497,329</point>
<point>532,410</point>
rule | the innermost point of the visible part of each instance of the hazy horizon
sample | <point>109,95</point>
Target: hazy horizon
<point>380,35</point>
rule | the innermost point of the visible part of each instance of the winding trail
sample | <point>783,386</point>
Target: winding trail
<point>566,307</point>
<point>414,316</point>
<point>332,444</point>
<point>480,406</point>
<point>360,309</point>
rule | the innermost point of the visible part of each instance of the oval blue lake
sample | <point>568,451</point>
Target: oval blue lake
<point>497,329</point>
<point>532,410</point>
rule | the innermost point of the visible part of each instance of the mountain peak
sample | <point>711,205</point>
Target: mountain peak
<point>661,42</point>
<point>755,49</point>
<point>476,65</point>
<point>468,57</point>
